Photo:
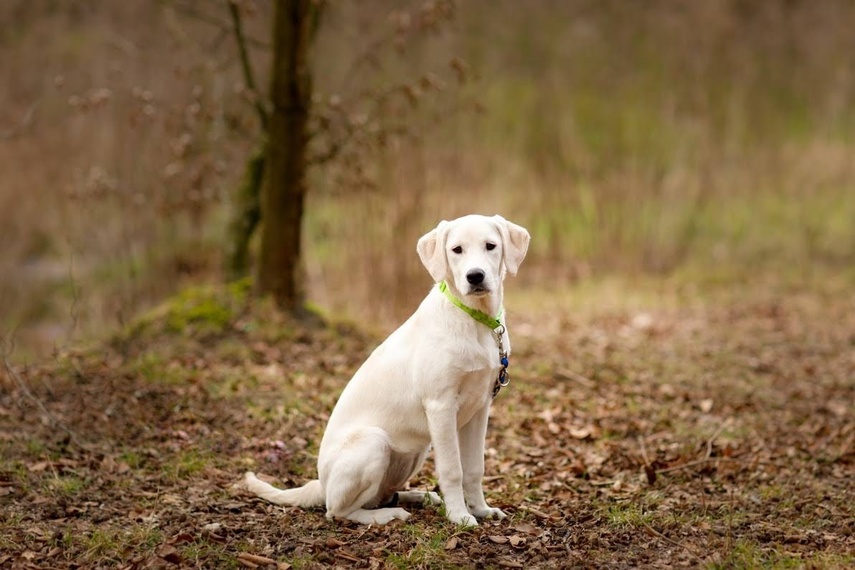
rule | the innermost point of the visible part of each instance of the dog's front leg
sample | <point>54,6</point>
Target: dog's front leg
<point>442,423</point>
<point>472,455</point>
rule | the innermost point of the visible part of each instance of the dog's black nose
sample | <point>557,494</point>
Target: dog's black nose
<point>475,277</point>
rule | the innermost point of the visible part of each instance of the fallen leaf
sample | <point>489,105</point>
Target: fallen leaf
<point>451,543</point>
<point>255,559</point>
<point>526,528</point>
<point>349,556</point>
<point>498,539</point>
<point>170,554</point>
<point>38,467</point>
<point>580,433</point>
<point>182,538</point>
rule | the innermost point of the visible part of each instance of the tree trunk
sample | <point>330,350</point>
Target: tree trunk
<point>284,190</point>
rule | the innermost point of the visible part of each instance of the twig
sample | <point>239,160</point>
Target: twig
<point>537,513</point>
<point>24,124</point>
<point>346,556</point>
<point>567,374</point>
<point>649,470</point>
<point>8,346</point>
<point>74,310</point>
<point>246,63</point>
<point>643,451</point>
<point>690,464</point>
<point>707,457</point>
<point>717,433</point>
<point>193,12</point>
<point>671,541</point>
<point>716,460</point>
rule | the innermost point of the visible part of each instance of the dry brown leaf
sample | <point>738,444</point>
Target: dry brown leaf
<point>452,543</point>
<point>580,433</point>
<point>170,554</point>
<point>255,559</point>
<point>38,466</point>
<point>525,528</point>
<point>498,539</point>
<point>349,556</point>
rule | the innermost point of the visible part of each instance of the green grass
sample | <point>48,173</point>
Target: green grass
<point>627,515</point>
<point>428,550</point>
<point>66,486</point>
<point>210,554</point>
<point>747,555</point>
<point>110,544</point>
<point>188,463</point>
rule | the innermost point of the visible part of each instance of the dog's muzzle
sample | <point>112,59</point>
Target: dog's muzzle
<point>475,278</point>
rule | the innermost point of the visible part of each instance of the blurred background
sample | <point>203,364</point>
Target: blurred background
<point>696,140</point>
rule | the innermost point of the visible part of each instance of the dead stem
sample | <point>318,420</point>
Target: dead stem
<point>8,346</point>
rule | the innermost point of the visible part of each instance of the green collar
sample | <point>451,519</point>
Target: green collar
<point>479,316</point>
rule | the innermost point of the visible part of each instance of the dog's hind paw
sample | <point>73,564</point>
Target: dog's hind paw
<point>378,516</point>
<point>489,513</point>
<point>432,498</point>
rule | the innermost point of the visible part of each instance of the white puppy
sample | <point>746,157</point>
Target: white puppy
<point>430,382</point>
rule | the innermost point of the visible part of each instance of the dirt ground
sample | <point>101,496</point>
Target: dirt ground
<point>644,427</point>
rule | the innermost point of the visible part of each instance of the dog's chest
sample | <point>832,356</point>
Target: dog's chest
<point>473,394</point>
<point>475,386</point>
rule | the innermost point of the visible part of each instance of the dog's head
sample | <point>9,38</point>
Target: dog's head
<point>472,253</point>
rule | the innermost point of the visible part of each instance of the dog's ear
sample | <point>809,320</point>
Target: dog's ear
<point>431,248</point>
<point>514,241</point>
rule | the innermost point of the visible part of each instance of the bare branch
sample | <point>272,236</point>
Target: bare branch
<point>246,63</point>
<point>23,125</point>
<point>215,21</point>
<point>7,346</point>
<point>676,543</point>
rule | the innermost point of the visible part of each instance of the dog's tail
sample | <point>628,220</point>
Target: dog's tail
<point>309,495</point>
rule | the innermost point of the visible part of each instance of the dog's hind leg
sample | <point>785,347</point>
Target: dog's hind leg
<point>309,495</point>
<point>355,476</point>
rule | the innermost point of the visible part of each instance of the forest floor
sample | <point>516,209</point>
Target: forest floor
<point>647,425</point>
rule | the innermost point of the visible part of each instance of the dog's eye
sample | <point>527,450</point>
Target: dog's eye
<point>458,249</point>
<point>491,246</point>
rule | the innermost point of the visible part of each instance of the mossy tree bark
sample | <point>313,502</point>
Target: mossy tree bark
<point>283,191</point>
<point>247,215</point>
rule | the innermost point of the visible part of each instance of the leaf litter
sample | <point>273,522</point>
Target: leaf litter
<point>705,434</point>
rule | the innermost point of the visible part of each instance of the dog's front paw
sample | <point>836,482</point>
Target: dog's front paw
<point>463,519</point>
<point>489,513</point>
